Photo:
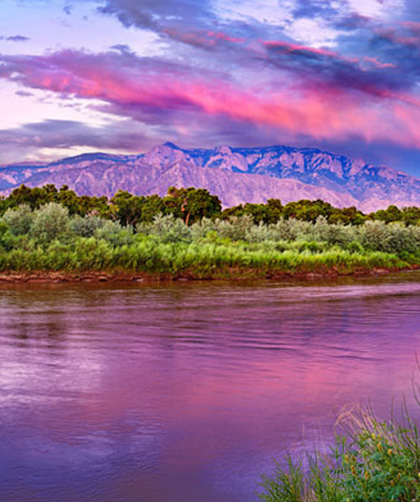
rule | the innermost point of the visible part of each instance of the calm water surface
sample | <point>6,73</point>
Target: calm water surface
<point>186,392</point>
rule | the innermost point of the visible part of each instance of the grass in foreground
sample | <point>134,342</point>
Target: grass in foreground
<point>375,461</point>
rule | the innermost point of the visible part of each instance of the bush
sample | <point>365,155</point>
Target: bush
<point>115,234</point>
<point>50,222</point>
<point>167,229</point>
<point>260,233</point>
<point>235,228</point>
<point>332,233</point>
<point>87,226</point>
<point>50,239</point>
<point>402,239</point>
<point>389,238</point>
<point>292,230</point>
<point>19,220</point>
<point>201,229</point>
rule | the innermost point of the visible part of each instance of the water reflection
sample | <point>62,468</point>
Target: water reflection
<point>186,392</point>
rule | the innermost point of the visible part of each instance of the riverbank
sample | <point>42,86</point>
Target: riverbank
<point>54,247</point>
<point>235,274</point>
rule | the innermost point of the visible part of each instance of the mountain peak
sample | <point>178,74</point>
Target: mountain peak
<point>224,150</point>
<point>166,154</point>
<point>169,144</point>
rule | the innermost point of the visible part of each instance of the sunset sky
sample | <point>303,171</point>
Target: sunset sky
<point>124,75</point>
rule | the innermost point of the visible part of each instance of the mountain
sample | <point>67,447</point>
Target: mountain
<point>236,175</point>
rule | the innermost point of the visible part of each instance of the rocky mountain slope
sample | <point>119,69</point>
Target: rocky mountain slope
<point>235,174</point>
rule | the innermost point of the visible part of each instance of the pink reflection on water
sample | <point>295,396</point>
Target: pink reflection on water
<point>188,391</point>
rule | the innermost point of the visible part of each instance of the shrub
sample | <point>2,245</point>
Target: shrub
<point>389,238</point>
<point>235,228</point>
<point>87,226</point>
<point>50,222</point>
<point>93,254</point>
<point>402,239</point>
<point>332,233</point>
<point>260,233</point>
<point>208,248</point>
<point>201,229</point>
<point>167,229</point>
<point>7,239</point>
<point>292,230</point>
<point>114,233</point>
<point>19,220</point>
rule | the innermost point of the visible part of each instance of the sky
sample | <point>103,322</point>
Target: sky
<point>125,75</point>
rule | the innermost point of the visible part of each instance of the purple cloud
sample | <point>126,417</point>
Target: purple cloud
<point>15,38</point>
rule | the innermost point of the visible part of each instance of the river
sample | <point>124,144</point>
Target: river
<point>186,392</point>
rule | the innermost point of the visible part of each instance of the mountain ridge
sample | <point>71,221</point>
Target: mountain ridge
<point>235,174</point>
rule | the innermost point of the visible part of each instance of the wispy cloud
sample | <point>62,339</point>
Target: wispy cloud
<point>157,92</point>
<point>15,38</point>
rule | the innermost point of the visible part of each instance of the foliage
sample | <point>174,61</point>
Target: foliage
<point>166,229</point>
<point>114,233</point>
<point>87,226</point>
<point>188,204</point>
<point>373,461</point>
<point>50,222</point>
<point>193,204</point>
<point>19,219</point>
<point>186,232</point>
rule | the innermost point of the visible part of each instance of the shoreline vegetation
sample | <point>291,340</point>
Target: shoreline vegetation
<point>372,460</point>
<point>54,235</point>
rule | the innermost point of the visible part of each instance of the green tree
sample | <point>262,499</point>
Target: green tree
<point>191,204</point>
<point>128,207</point>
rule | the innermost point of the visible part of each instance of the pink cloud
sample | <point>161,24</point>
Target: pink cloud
<point>204,39</point>
<point>412,26</point>
<point>218,35</point>
<point>397,38</point>
<point>291,48</point>
<point>140,88</point>
<point>378,64</point>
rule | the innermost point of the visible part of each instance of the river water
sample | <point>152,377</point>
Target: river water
<point>186,392</point>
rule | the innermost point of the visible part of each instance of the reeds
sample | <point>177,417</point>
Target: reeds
<point>372,461</point>
<point>204,260</point>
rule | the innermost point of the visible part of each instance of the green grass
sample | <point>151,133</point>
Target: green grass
<point>374,461</point>
<point>51,240</point>
<point>202,260</point>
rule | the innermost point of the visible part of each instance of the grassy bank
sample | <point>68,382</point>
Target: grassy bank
<point>374,461</point>
<point>50,240</point>
<point>202,261</point>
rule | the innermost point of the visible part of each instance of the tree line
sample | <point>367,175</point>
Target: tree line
<point>188,233</point>
<point>193,204</point>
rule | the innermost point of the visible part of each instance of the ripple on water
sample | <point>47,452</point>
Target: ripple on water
<point>186,392</point>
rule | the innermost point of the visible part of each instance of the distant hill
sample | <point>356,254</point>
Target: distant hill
<point>236,175</point>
